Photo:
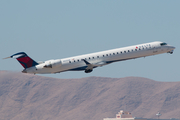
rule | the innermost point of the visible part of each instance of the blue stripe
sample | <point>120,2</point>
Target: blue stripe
<point>84,67</point>
<point>121,60</point>
<point>78,69</point>
<point>23,64</point>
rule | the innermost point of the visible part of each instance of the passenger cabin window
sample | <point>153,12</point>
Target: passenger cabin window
<point>117,52</point>
<point>136,49</point>
<point>121,52</point>
<point>124,51</point>
<point>162,44</point>
<point>106,54</point>
<point>113,53</point>
<point>89,58</point>
<point>69,61</point>
<point>103,55</point>
<point>93,57</point>
<point>97,56</point>
<point>128,51</point>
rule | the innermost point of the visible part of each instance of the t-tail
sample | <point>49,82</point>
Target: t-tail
<point>24,59</point>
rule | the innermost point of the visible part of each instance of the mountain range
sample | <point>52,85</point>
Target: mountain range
<point>33,97</point>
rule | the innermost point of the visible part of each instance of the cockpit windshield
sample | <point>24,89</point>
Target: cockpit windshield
<point>162,44</point>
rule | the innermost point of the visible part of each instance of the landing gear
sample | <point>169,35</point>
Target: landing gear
<point>171,52</point>
<point>88,70</point>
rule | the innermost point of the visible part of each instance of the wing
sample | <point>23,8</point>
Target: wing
<point>90,66</point>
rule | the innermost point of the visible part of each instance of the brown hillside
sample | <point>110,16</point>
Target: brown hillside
<point>32,97</point>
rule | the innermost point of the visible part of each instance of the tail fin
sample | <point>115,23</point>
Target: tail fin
<point>24,59</point>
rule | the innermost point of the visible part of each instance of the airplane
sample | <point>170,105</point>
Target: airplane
<point>88,62</point>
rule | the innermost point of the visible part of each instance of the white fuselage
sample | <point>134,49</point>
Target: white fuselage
<point>97,59</point>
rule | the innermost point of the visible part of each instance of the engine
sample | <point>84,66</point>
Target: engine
<point>52,63</point>
<point>88,70</point>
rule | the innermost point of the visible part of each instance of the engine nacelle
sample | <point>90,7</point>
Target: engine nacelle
<point>88,70</point>
<point>48,66</point>
<point>52,63</point>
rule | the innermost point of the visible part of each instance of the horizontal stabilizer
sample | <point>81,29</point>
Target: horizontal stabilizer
<point>6,57</point>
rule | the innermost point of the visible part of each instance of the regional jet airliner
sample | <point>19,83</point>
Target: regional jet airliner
<point>88,62</point>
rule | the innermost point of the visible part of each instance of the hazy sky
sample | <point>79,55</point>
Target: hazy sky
<point>59,29</point>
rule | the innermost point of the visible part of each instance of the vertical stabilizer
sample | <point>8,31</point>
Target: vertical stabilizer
<point>24,59</point>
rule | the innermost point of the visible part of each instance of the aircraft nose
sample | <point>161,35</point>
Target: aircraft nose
<point>172,47</point>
